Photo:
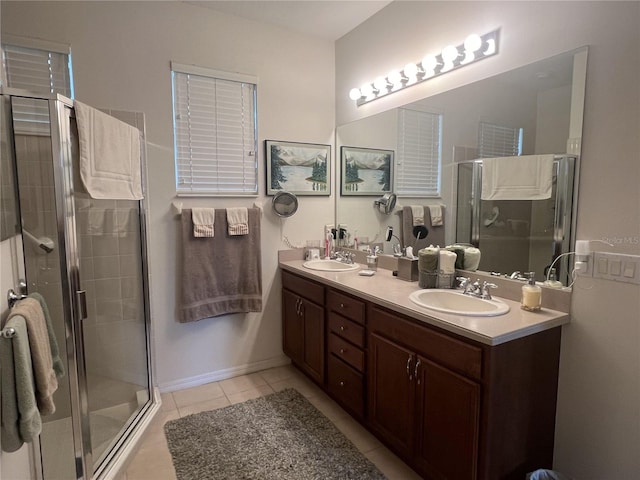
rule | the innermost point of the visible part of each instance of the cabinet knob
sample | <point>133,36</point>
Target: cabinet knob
<point>342,328</point>
<point>342,384</point>
<point>342,350</point>
<point>342,305</point>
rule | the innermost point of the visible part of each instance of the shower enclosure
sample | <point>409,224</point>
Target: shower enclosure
<point>87,258</point>
<point>520,235</point>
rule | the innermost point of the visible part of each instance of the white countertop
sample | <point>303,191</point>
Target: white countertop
<point>388,291</point>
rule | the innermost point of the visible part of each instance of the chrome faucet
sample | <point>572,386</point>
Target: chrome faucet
<point>344,257</point>
<point>476,289</point>
<point>517,276</point>
<point>485,290</point>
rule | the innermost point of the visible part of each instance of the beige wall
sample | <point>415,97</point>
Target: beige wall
<point>598,420</point>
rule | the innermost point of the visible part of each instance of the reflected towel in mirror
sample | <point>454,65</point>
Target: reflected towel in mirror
<point>525,177</point>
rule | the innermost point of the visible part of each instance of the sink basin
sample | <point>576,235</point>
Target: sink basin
<point>451,301</point>
<point>330,266</point>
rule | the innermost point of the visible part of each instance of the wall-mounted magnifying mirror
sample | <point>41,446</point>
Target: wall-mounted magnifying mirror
<point>284,204</point>
<point>386,203</point>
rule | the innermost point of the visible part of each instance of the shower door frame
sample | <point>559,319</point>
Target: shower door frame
<point>74,297</point>
<point>566,169</point>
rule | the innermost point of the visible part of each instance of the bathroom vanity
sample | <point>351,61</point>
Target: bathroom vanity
<point>456,397</point>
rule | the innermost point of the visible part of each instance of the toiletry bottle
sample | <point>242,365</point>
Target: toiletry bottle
<point>531,294</point>
<point>551,281</point>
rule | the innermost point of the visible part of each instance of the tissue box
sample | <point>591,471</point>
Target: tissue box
<point>408,269</point>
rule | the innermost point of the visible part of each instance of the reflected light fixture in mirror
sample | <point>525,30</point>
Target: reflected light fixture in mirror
<point>475,47</point>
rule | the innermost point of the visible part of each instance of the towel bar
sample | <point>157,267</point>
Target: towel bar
<point>9,332</point>
<point>13,297</point>
<point>176,207</point>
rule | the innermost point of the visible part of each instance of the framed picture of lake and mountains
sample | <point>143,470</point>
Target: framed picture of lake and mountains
<point>366,171</point>
<point>299,168</point>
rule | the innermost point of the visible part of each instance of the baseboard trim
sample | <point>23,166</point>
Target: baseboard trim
<point>223,374</point>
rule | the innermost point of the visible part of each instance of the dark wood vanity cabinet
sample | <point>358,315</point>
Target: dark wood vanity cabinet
<point>451,407</point>
<point>458,410</point>
<point>303,324</point>
<point>427,412</point>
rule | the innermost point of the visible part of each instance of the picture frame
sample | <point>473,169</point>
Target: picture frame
<point>298,168</point>
<point>366,171</point>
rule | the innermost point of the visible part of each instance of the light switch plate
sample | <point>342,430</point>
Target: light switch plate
<point>617,267</point>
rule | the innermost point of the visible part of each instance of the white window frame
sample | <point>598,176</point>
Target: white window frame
<point>418,169</point>
<point>200,174</point>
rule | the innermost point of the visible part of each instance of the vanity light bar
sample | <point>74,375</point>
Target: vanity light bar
<point>475,47</point>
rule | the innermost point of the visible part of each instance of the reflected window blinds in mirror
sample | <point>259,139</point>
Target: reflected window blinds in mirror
<point>475,47</point>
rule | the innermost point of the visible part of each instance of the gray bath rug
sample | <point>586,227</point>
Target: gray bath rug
<point>277,437</point>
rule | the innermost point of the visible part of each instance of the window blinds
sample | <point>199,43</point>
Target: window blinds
<point>419,153</point>
<point>499,141</point>
<point>38,71</point>
<point>215,135</point>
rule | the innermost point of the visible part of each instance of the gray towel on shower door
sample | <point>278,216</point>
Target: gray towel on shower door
<point>221,274</point>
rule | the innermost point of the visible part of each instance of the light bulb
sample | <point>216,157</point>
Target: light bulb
<point>395,78</point>
<point>381,84</point>
<point>491,47</point>
<point>410,70</point>
<point>429,64</point>
<point>367,90</point>
<point>472,43</point>
<point>450,53</point>
<point>354,94</point>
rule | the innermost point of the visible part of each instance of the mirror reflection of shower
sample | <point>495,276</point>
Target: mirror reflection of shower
<point>42,245</point>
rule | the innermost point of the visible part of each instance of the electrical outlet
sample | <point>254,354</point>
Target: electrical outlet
<point>328,228</point>
<point>342,231</point>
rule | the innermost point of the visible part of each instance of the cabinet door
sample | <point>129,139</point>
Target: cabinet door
<point>313,352</point>
<point>292,326</point>
<point>391,392</point>
<point>448,414</point>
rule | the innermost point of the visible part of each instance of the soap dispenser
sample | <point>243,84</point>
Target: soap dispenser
<point>531,294</point>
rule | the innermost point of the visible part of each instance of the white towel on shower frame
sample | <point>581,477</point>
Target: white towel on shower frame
<point>526,177</point>
<point>109,155</point>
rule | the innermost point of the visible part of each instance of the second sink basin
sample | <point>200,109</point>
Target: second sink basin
<point>330,265</point>
<point>451,301</point>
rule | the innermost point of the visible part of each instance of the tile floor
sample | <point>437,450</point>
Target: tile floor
<point>153,460</point>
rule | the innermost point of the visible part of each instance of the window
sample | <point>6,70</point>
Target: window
<point>419,153</point>
<point>499,141</point>
<point>215,134</point>
<point>38,67</point>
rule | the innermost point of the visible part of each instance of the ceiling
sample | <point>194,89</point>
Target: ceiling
<point>328,19</point>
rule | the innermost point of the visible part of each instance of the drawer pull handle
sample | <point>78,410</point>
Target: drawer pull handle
<point>342,384</point>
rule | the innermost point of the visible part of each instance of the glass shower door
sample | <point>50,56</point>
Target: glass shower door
<point>97,258</point>
<point>112,274</point>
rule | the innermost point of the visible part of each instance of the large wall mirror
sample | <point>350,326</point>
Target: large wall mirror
<point>541,104</point>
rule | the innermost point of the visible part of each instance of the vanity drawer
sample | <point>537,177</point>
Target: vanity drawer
<point>305,288</point>
<point>346,306</point>
<point>346,385</point>
<point>347,352</point>
<point>444,349</point>
<point>346,329</point>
